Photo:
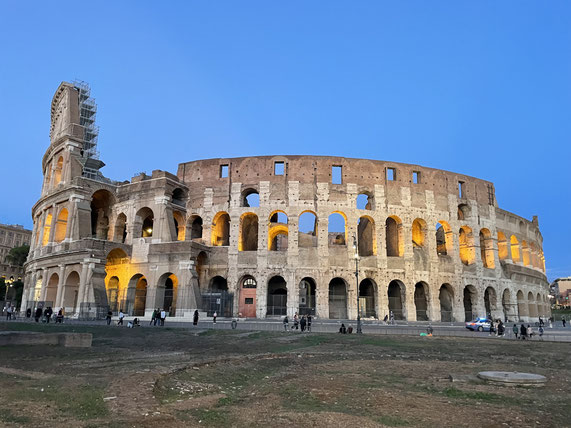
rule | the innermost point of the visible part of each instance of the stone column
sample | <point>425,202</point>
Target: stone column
<point>44,288</point>
<point>163,221</point>
<point>60,285</point>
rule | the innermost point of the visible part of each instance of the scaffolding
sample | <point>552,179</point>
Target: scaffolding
<point>87,113</point>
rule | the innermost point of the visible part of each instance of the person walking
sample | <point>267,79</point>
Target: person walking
<point>563,321</point>
<point>286,323</point>
<point>515,330</point>
<point>154,318</point>
<point>302,323</point>
<point>195,318</point>
<point>108,317</point>
<point>59,318</point>
<point>529,331</point>
<point>38,314</point>
<point>392,318</point>
<point>163,315</point>
<point>540,332</point>
<point>501,329</point>
<point>523,332</point>
<point>309,323</point>
<point>8,312</point>
<point>295,322</point>
<point>214,315</point>
<point>121,316</point>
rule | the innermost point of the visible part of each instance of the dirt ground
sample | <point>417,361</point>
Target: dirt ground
<point>153,377</point>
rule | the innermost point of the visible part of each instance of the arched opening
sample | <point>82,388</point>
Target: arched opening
<point>201,269</point>
<point>307,230</point>
<point>144,222</point>
<point>217,284</point>
<point>179,226</point>
<point>113,288</point>
<point>70,292</point>
<point>421,301</point>
<point>337,299</point>
<point>120,234</point>
<point>61,226</point>
<point>532,305</point>
<point>490,301</point>
<point>218,299</point>
<point>58,172</point>
<point>278,231</point>
<point>525,253</point>
<point>365,201</point>
<point>487,248</point>
<point>515,249</point>
<point>367,239</point>
<point>503,252</point>
<point>277,296</point>
<point>444,239</point>
<point>446,298</point>
<point>337,229</point>
<point>466,242</point>
<point>101,203</point>
<point>250,198</point>
<point>367,303</point>
<point>247,305</point>
<point>506,304</point>
<point>397,296</point>
<point>167,292</point>
<point>470,297</point>
<point>178,197</point>
<point>51,291</point>
<point>418,233</point>
<point>463,212</point>
<point>140,295</point>
<point>521,306</point>
<point>47,229</point>
<point>307,289</point>
<point>248,237</point>
<point>195,225</point>
<point>221,230</point>
<point>395,242</point>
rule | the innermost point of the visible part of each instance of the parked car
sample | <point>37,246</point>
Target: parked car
<point>480,324</point>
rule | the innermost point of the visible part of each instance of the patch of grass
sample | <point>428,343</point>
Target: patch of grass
<point>9,417</point>
<point>211,417</point>
<point>301,400</point>
<point>487,397</point>
<point>392,421</point>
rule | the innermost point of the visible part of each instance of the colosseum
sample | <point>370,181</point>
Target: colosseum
<point>266,236</point>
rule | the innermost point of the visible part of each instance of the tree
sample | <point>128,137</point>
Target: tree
<point>17,255</point>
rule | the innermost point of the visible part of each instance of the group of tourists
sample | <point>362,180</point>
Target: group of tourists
<point>303,323</point>
<point>158,317</point>
<point>524,332</point>
<point>497,328</point>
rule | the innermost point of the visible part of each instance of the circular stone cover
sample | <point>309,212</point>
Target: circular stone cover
<point>513,378</point>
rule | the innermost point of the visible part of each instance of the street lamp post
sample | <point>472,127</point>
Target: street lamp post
<point>356,250</point>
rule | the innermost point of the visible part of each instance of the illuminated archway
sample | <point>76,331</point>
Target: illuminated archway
<point>337,299</point>
<point>397,298</point>
<point>487,249</point>
<point>446,299</point>
<point>61,226</point>
<point>394,238</point>
<point>466,242</point>
<point>248,236</point>
<point>221,230</point>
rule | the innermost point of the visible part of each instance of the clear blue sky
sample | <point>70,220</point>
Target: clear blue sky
<point>476,87</point>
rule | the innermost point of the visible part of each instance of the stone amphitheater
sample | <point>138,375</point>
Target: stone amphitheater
<point>267,236</point>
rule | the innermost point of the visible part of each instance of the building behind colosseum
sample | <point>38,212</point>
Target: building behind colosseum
<point>269,235</point>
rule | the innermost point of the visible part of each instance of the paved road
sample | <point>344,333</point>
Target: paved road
<point>556,334</point>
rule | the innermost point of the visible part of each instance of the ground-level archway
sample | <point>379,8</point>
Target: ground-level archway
<point>470,296</point>
<point>490,301</point>
<point>337,299</point>
<point>367,301</point>
<point>421,301</point>
<point>397,296</point>
<point>247,303</point>
<point>307,289</point>
<point>446,298</point>
<point>277,296</point>
<point>167,288</point>
<point>136,295</point>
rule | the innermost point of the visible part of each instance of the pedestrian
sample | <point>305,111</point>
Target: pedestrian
<point>501,329</point>
<point>121,316</point>
<point>541,332</point>
<point>541,322</point>
<point>154,318</point>
<point>385,319</point>
<point>108,317</point>
<point>563,321</point>
<point>429,330</point>
<point>28,312</point>
<point>214,315</point>
<point>392,317</point>
<point>492,327</point>
<point>342,329</point>
<point>59,318</point>
<point>163,316</point>
<point>309,323</point>
<point>523,332</point>
<point>295,322</point>
<point>550,320</point>
<point>286,323</point>
<point>234,323</point>
<point>48,314</point>
<point>38,314</point>
<point>302,323</point>
<point>8,312</point>
<point>515,330</point>
<point>529,331</point>
<point>350,330</point>
<point>195,318</point>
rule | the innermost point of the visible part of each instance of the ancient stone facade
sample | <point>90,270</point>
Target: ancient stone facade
<point>270,235</point>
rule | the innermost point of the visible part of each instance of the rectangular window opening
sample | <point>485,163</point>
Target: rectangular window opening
<point>223,171</point>
<point>391,174</point>
<point>278,168</point>
<point>461,189</point>
<point>249,301</point>
<point>336,172</point>
<point>416,177</point>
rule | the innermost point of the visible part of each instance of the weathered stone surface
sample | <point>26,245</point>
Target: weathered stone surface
<point>68,340</point>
